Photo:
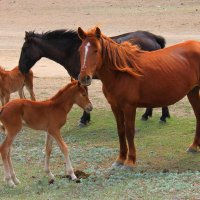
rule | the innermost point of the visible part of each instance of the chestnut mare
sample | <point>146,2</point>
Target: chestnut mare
<point>133,78</point>
<point>12,81</point>
<point>49,115</point>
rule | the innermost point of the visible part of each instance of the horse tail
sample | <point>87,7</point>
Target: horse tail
<point>161,41</point>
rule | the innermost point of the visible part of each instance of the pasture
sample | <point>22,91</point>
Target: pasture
<point>164,170</point>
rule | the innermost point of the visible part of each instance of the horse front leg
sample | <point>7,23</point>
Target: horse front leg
<point>48,150</point>
<point>119,116</point>
<point>129,121</point>
<point>85,119</point>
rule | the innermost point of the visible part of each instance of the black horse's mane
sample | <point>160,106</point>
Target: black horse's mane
<point>50,35</point>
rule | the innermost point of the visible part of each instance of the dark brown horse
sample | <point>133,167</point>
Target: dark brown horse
<point>62,47</point>
<point>134,78</point>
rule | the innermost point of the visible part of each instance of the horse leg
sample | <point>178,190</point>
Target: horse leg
<point>5,148</point>
<point>48,150</point>
<point>165,114</point>
<point>63,147</point>
<point>194,100</point>
<point>119,116</point>
<point>12,172</point>
<point>29,87</point>
<point>21,93</point>
<point>85,119</point>
<point>147,114</point>
<point>129,118</point>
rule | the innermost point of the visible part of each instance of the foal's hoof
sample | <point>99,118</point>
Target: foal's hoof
<point>16,181</point>
<point>191,150</point>
<point>10,183</point>
<point>117,164</point>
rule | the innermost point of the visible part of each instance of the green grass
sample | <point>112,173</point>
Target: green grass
<point>164,170</point>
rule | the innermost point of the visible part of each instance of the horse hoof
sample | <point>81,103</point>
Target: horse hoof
<point>117,164</point>
<point>16,181</point>
<point>81,125</point>
<point>127,168</point>
<point>191,150</point>
<point>162,121</point>
<point>11,183</point>
<point>144,118</point>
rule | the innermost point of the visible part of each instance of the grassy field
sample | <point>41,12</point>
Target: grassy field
<point>164,170</point>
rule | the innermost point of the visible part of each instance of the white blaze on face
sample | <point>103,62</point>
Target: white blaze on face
<point>85,55</point>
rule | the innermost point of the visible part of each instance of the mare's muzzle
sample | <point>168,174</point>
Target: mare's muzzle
<point>85,80</point>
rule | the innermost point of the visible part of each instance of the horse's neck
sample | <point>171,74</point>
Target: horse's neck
<point>64,99</point>
<point>66,56</point>
<point>108,77</point>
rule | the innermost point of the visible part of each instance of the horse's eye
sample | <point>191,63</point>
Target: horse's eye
<point>95,51</point>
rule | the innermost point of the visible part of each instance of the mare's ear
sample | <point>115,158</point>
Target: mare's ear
<point>98,32</point>
<point>82,35</point>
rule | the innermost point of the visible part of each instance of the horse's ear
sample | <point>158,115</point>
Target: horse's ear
<point>26,35</point>
<point>82,35</point>
<point>98,32</point>
<point>72,79</point>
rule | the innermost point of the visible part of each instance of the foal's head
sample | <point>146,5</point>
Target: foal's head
<point>90,54</point>
<point>81,97</point>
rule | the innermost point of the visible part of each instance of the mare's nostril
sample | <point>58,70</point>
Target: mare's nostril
<point>88,78</point>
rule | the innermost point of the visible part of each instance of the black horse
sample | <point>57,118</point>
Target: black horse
<point>62,46</point>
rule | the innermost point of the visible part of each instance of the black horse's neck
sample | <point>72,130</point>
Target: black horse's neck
<point>62,47</point>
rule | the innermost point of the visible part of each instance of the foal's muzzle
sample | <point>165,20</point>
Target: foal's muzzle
<point>85,80</point>
<point>89,108</point>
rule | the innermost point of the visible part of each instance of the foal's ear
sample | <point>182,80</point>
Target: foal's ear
<point>72,79</point>
<point>82,35</point>
<point>98,32</point>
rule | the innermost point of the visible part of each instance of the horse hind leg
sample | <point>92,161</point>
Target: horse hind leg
<point>21,93</point>
<point>194,100</point>
<point>165,114</point>
<point>5,154</point>
<point>147,114</point>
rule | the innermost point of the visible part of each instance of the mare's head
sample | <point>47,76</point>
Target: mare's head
<point>90,54</point>
<point>30,52</point>
<point>81,96</point>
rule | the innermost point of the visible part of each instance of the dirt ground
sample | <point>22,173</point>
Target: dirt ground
<point>176,20</point>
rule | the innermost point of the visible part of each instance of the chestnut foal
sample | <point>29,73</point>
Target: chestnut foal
<point>12,81</point>
<point>49,115</point>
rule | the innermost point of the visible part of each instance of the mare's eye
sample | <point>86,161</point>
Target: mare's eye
<point>84,95</point>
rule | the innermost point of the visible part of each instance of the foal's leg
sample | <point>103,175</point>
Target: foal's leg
<point>7,98</point>
<point>21,93</point>
<point>12,172</point>
<point>194,100</point>
<point>49,142</point>
<point>147,114</point>
<point>119,116</point>
<point>29,84</point>
<point>129,121</point>
<point>63,147</point>
<point>5,149</point>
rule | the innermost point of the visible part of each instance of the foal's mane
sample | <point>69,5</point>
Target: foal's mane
<point>56,34</point>
<point>121,57</point>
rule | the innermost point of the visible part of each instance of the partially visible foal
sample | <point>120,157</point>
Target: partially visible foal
<point>14,80</point>
<point>49,115</point>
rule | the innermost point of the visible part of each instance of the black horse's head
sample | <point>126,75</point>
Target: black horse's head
<point>30,52</point>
